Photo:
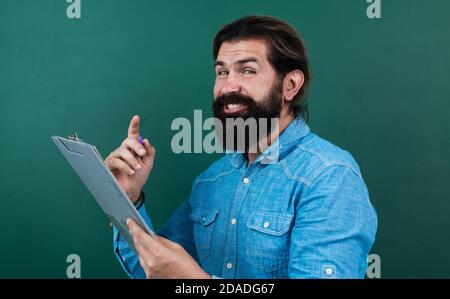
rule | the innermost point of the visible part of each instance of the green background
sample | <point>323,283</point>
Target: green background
<point>380,90</point>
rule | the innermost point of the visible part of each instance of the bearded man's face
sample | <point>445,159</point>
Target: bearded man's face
<point>246,87</point>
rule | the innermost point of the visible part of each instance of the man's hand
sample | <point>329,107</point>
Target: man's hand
<point>162,258</point>
<point>132,162</point>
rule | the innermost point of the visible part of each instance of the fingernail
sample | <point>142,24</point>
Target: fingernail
<point>142,152</point>
<point>128,221</point>
<point>138,166</point>
<point>131,172</point>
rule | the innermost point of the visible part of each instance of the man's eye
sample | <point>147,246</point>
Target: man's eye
<point>222,73</point>
<point>249,71</point>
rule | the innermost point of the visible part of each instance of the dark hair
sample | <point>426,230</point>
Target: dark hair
<point>286,51</point>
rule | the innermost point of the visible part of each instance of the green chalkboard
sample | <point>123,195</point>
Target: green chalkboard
<point>380,90</point>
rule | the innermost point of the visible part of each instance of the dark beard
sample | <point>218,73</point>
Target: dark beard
<point>267,109</point>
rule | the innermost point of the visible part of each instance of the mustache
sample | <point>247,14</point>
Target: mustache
<point>233,98</point>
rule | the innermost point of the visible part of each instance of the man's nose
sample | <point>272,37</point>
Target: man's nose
<point>231,85</point>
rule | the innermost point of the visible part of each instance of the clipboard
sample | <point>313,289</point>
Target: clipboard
<point>87,162</point>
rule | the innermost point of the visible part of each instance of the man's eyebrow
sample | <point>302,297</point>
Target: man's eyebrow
<point>240,61</point>
<point>219,63</point>
<point>247,60</point>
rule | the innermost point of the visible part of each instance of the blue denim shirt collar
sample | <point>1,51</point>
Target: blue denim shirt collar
<point>292,133</point>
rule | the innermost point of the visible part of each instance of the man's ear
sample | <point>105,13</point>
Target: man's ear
<point>292,83</point>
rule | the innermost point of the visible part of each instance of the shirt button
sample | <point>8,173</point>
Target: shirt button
<point>329,271</point>
<point>266,224</point>
<point>233,221</point>
<point>246,181</point>
<point>229,265</point>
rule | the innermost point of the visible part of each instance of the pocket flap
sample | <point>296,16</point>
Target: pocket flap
<point>203,216</point>
<point>269,223</point>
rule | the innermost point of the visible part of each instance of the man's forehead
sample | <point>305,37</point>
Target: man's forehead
<point>231,52</point>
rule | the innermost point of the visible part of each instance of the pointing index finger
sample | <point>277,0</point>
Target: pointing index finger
<point>133,129</point>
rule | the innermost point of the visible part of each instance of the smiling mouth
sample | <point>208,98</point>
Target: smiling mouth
<point>233,108</point>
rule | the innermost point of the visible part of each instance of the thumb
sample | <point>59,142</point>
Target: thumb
<point>150,153</point>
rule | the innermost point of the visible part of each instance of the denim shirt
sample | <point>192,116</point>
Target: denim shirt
<point>301,210</point>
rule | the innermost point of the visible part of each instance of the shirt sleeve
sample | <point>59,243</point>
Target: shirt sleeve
<point>128,259</point>
<point>335,227</point>
<point>179,229</point>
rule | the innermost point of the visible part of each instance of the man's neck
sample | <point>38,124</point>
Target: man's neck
<point>284,122</point>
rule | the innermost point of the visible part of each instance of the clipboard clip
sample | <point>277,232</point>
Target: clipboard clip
<point>74,137</point>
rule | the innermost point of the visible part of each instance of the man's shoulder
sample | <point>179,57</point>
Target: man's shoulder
<point>326,152</point>
<point>313,155</point>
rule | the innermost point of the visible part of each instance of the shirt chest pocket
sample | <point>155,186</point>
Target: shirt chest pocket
<point>267,240</point>
<point>204,220</point>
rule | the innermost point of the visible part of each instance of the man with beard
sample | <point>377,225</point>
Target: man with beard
<point>298,208</point>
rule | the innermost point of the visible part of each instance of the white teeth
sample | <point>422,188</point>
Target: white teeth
<point>233,106</point>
